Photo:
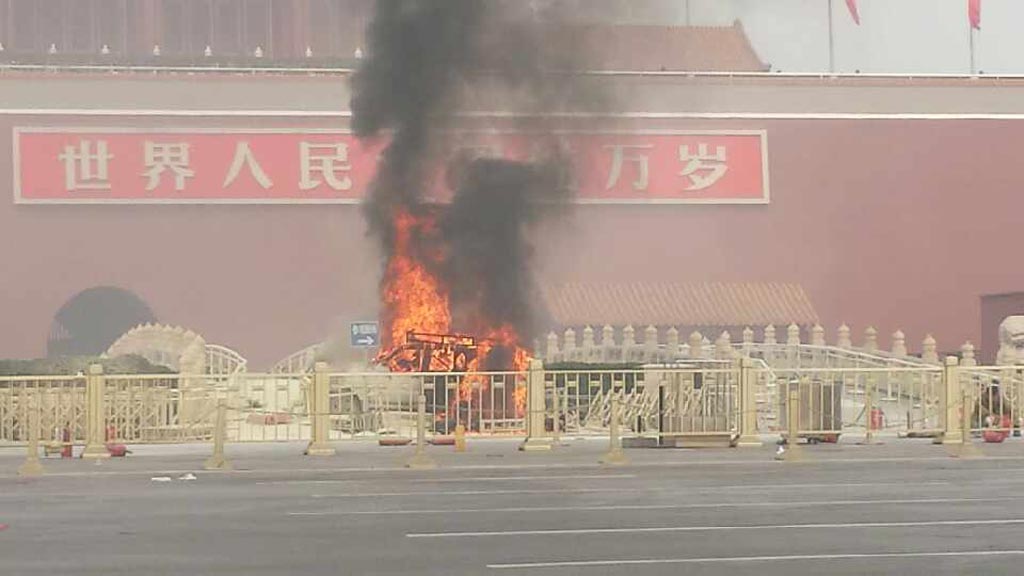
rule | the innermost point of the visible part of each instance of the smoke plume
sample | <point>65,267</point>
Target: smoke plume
<point>426,60</point>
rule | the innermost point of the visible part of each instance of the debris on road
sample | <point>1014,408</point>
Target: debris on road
<point>187,477</point>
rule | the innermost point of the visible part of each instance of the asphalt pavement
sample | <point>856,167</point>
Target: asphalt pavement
<point>904,507</point>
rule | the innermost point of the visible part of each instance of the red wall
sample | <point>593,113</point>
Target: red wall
<point>893,223</point>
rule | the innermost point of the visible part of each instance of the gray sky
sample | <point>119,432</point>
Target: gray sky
<point>902,36</point>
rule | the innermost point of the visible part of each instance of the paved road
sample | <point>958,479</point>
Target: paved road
<point>895,509</point>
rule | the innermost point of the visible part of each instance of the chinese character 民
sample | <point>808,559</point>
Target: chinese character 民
<point>327,160</point>
<point>84,168</point>
<point>245,157</point>
<point>162,157</point>
<point>703,169</point>
<point>622,153</point>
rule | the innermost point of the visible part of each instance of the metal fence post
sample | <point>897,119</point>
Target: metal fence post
<point>615,455</point>
<point>536,410</point>
<point>460,438</point>
<point>966,447</point>
<point>793,451</point>
<point>556,424</point>
<point>217,461</point>
<point>870,392</point>
<point>951,387</point>
<point>32,466</point>
<point>748,405</point>
<point>419,459</point>
<point>95,414</point>
<point>320,411</point>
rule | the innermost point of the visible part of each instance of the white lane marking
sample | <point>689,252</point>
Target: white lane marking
<point>532,477</point>
<point>556,532</point>
<point>631,489</point>
<point>739,559</point>
<point>300,482</point>
<point>453,480</point>
<point>472,493</point>
<point>807,504</point>
<point>785,486</point>
<point>474,479</point>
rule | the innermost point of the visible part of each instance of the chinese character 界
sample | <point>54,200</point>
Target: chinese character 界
<point>621,153</point>
<point>162,157</point>
<point>84,168</point>
<point>703,169</point>
<point>327,160</point>
<point>245,157</point>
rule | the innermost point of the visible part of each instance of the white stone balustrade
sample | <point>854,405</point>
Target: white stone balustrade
<point>661,345</point>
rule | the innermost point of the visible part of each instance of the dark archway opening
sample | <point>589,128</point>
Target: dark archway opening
<point>88,323</point>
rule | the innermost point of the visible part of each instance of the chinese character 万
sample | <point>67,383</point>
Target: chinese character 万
<point>703,169</point>
<point>245,157</point>
<point>162,157</point>
<point>327,160</point>
<point>84,168</point>
<point>622,153</point>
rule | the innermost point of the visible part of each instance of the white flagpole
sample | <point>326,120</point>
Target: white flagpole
<point>831,42</point>
<point>974,64</point>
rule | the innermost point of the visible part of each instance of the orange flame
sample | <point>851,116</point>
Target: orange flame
<point>506,337</point>
<point>413,298</point>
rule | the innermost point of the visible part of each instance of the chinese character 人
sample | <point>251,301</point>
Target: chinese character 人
<point>245,157</point>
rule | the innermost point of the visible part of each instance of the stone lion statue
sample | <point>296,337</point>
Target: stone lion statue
<point>1011,341</point>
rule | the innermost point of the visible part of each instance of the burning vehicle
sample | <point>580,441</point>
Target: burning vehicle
<point>457,290</point>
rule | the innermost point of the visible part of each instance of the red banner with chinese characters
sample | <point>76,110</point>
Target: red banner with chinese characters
<point>129,166</point>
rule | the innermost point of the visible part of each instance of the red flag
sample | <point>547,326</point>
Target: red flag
<point>852,5</point>
<point>974,13</point>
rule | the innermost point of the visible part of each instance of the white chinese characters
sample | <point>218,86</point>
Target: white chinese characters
<point>634,153</point>
<point>160,158</point>
<point>329,161</point>
<point>243,166</point>
<point>703,169</point>
<point>85,166</point>
<point>166,165</point>
<point>245,158</point>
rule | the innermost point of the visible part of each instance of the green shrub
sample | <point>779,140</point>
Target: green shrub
<point>71,365</point>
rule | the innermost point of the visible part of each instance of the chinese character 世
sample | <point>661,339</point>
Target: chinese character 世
<point>245,157</point>
<point>162,157</point>
<point>327,160</point>
<point>85,169</point>
<point>703,169</point>
<point>622,153</point>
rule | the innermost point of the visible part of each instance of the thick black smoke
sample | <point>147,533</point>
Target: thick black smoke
<point>426,59</point>
<point>486,229</point>
<point>418,53</point>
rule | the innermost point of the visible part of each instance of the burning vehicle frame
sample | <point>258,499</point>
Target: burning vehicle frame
<point>456,395</point>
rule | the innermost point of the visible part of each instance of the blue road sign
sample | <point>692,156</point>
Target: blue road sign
<point>365,334</point>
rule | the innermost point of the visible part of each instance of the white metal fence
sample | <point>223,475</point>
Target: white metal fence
<point>708,397</point>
